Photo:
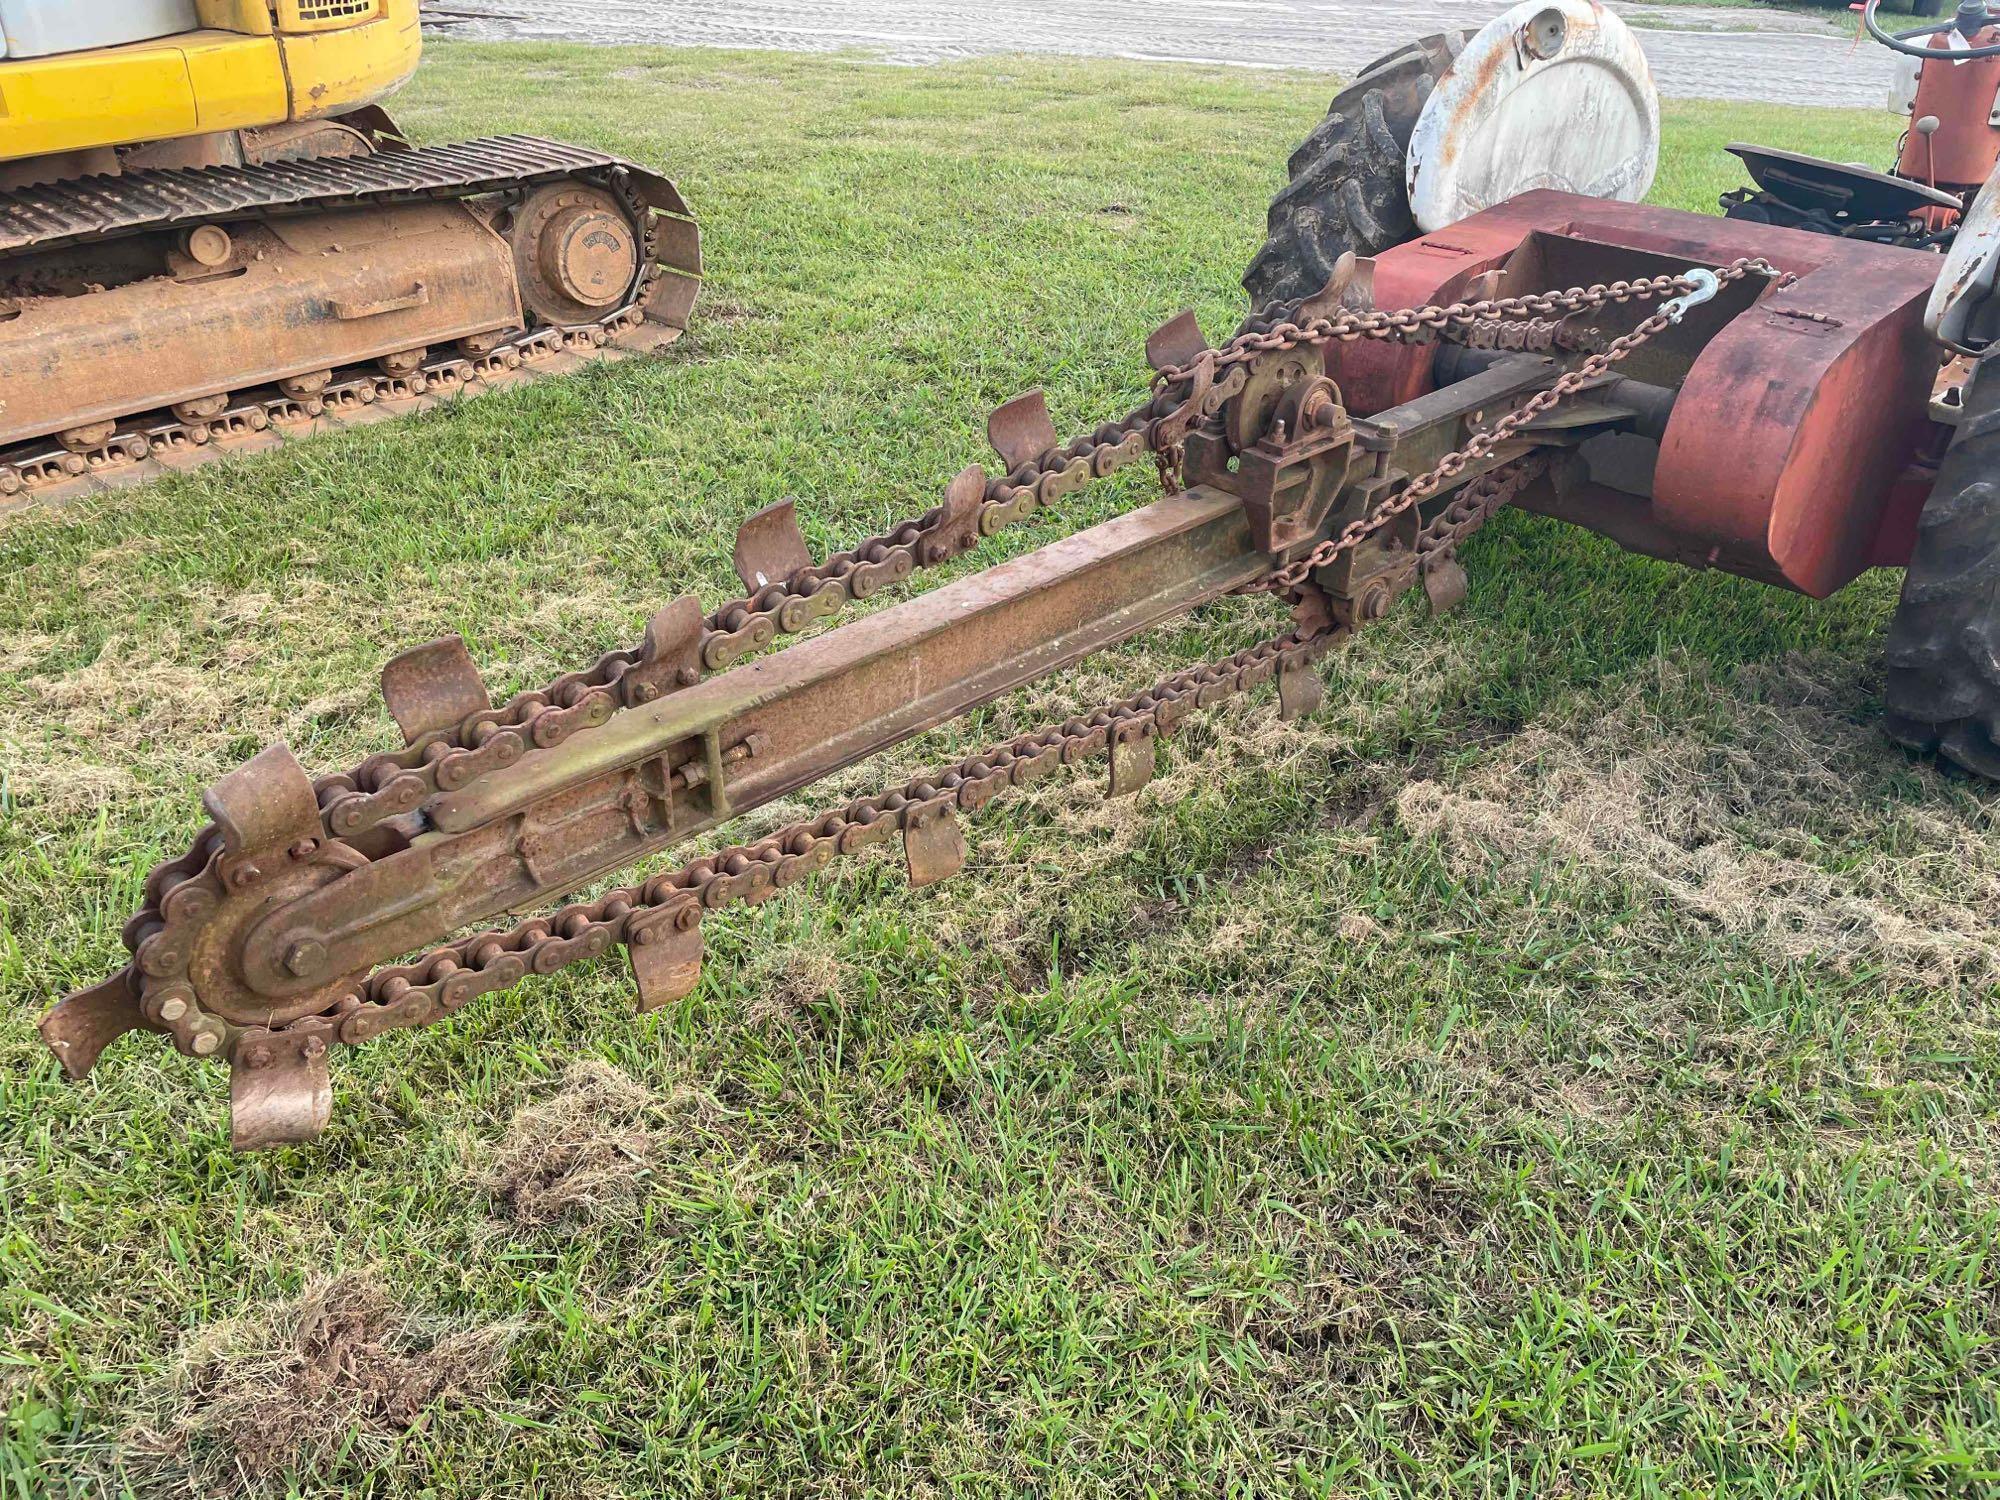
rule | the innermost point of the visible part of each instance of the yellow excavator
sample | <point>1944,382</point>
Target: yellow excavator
<point>211,233</point>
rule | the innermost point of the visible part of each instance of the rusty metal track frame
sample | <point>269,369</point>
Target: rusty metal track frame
<point>257,423</point>
<point>661,773</point>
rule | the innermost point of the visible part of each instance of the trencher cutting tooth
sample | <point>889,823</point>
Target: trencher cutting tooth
<point>433,687</point>
<point>1021,430</point>
<point>933,843</point>
<point>1176,343</point>
<point>770,548</point>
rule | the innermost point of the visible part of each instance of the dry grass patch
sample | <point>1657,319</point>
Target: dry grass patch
<point>586,1152</point>
<point>786,981</point>
<point>74,738</point>
<point>133,695</point>
<point>287,1387</point>
<point>1782,828</point>
<point>591,1153</point>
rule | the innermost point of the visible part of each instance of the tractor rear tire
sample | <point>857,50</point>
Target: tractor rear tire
<point>1943,690</point>
<point>1348,188</point>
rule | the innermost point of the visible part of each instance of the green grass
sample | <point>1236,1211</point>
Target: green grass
<point>1564,1066</point>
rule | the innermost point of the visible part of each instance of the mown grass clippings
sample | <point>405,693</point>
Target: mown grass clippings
<point>1786,827</point>
<point>584,1153</point>
<point>340,1373</point>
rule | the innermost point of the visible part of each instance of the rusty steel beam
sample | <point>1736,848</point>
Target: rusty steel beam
<point>658,774</point>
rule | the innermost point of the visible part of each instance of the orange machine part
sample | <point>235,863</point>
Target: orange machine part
<point>1796,420</point>
<point>295,296</point>
<point>1966,147</point>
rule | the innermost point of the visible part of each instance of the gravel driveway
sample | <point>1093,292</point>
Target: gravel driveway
<point>1696,51</point>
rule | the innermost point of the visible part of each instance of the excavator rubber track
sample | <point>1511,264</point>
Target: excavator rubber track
<point>77,218</point>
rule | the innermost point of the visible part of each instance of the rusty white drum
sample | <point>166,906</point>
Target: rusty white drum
<point>1553,94</point>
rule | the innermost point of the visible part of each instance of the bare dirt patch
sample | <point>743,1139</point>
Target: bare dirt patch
<point>284,1388</point>
<point>1786,827</point>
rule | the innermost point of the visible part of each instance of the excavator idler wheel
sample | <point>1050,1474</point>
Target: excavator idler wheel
<point>207,245</point>
<point>404,362</point>
<point>577,252</point>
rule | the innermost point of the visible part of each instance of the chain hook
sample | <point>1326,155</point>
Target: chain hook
<point>1705,285</point>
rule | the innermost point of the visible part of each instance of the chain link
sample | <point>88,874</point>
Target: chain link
<point>1475,505</point>
<point>1421,323</point>
<point>1481,445</point>
<point>445,979</point>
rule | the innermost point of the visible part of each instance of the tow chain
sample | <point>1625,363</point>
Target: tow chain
<point>1283,331</point>
<point>1482,443</point>
<point>397,781</point>
<point>1475,505</point>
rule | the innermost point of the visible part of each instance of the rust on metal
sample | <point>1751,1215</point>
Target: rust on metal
<point>770,547</point>
<point>1301,691</point>
<point>79,1027</point>
<point>1021,430</point>
<point>1176,342</point>
<point>167,315</point>
<point>266,803</point>
<point>432,687</point>
<point>933,844</point>
<point>670,654</point>
<point>1445,585</point>
<point>956,526</point>
<point>1134,756</point>
<point>288,926</point>
<point>665,945</point>
<point>280,1091</point>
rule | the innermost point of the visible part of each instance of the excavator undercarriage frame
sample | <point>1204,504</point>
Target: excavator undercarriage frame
<point>158,318</point>
<point>213,238</point>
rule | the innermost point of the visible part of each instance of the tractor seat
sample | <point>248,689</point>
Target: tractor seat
<point>1841,192</point>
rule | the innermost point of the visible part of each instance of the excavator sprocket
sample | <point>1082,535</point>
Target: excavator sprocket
<point>155,319</point>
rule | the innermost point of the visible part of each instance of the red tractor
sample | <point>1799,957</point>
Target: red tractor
<point>1796,433</point>
<point>1463,306</point>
